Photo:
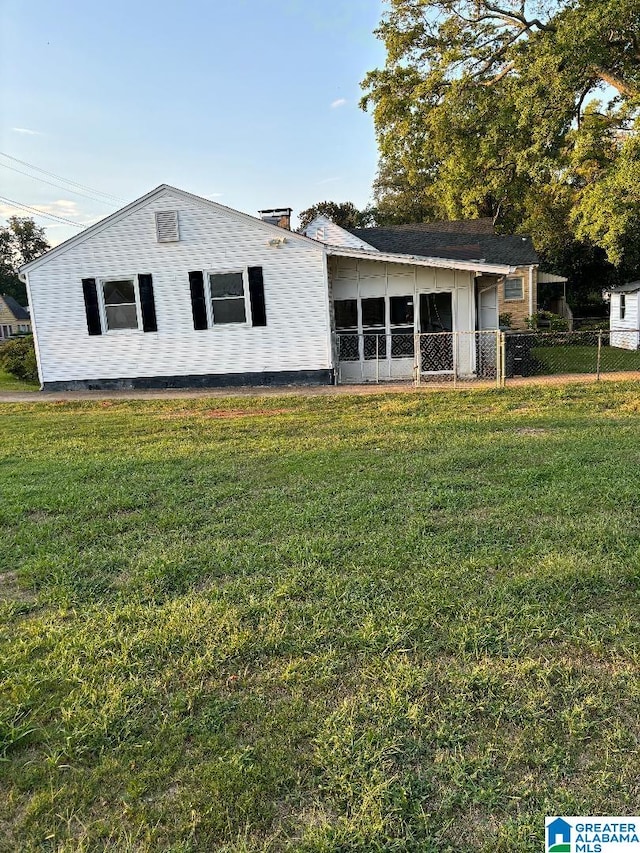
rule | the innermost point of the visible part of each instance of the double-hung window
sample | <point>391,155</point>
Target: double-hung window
<point>513,289</point>
<point>120,304</point>
<point>623,306</point>
<point>227,296</point>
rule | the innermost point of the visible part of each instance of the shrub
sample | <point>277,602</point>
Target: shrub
<point>547,320</point>
<point>18,357</point>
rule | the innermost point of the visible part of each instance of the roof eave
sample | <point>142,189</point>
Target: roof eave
<point>420,260</point>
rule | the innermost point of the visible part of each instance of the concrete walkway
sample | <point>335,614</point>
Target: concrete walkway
<point>306,390</point>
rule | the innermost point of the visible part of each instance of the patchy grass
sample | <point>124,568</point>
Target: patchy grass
<point>392,622</point>
<point>10,383</point>
<point>583,359</point>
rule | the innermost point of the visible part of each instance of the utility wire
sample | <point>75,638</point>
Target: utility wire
<point>58,186</point>
<point>60,178</point>
<point>41,213</point>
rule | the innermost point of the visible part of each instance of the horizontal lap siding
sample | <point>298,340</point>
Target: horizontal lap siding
<point>631,317</point>
<point>624,332</point>
<point>295,338</point>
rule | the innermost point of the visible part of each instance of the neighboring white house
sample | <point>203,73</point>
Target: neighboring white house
<point>624,316</point>
<point>175,291</point>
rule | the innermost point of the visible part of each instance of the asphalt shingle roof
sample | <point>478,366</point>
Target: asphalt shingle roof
<point>17,310</point>
<point>458,240</point>
<point>629,287</point>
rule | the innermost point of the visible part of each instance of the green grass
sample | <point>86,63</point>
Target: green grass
<point>10,383</point>
<point>583,359</point>
<point>392,622</point>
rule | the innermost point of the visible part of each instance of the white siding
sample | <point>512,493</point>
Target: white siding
<point>624,333</point>
<point>326,231</point>
<point>296,336</point>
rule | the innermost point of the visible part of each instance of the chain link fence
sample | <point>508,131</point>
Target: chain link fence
<point>565,354</point>
<point>490,357</point>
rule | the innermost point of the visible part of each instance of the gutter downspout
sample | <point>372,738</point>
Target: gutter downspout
<point>331,353</point>
<point>531,305</point>
<point>24,278</point>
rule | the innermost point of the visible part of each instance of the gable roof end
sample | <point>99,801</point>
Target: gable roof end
<point>324,230</point>
<point>145,199</point>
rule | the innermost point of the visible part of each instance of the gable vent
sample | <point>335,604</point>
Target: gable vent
<point>167,226</point>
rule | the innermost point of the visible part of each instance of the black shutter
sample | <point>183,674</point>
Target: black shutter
<point>256,296</point>
<point>149,323</point>
<point>91,306</point>
<point>198,303</point>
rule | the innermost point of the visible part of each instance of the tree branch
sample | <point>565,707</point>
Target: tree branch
<point>496,57</point>
<point>617,82</point>
<point>584,94</point>
<point>518,18</point>
<point>496,79</point>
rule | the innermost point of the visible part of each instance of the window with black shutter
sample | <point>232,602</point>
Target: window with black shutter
<point>198,300</point>
<point>91,306</point>
<point>147,303</point>
<point>256,297</point>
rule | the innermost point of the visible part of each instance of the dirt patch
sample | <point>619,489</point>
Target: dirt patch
<point>532,431</point>
<point>10,589</point>
<point>40,516</point>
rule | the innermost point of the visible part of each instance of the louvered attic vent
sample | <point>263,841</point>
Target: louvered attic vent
<point>167,226</point>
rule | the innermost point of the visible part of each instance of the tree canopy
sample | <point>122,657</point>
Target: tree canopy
<point>523,110</point>
<point>21,241</point>
<point>343,213</point>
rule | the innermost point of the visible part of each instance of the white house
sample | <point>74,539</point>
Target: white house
<point>624,316</point>
<point>175,291</point>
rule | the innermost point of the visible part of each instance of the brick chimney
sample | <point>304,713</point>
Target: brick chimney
<point>280,216</point>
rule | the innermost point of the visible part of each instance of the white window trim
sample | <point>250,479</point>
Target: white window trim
<point>247,303</point>
<point>102,307</point>
<point>504,289</point>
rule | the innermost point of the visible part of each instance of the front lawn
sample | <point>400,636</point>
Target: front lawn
<point>402,622</point>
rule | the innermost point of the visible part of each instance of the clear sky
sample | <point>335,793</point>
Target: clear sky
<point>253,103</point>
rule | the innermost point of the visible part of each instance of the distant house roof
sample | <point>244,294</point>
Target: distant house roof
<point>471,239</point>
<point>17,310</point>
<point>629,287</point>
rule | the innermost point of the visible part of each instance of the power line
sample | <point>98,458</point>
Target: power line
<point>60,178</point>
<point>41,213</point>
<point>58,186</point>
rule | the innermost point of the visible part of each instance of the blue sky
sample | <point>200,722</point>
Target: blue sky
<point>253,103</point>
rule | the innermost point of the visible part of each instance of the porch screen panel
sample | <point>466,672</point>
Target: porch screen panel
<point>346,312</point>
<point>401,321</point>
<point>374,326</point>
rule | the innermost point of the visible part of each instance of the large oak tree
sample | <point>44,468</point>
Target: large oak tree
<point>525,111</point>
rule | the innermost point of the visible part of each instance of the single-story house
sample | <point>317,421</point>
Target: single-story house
<point>175,290</point>
<point>624,315</point>
<point>14,319</point>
